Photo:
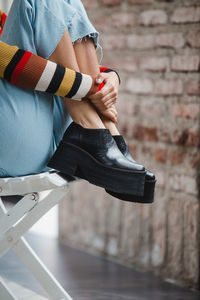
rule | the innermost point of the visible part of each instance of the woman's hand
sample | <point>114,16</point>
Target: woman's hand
<point>105,99</point>
<point>110,113</point>
<point>107,96</point>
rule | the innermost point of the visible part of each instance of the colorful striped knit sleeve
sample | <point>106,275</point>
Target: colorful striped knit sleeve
<point>31,71</point>
<point>2,20</point>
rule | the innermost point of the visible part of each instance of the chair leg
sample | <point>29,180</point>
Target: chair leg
<point>12,238</point>
<point>5,292</point>
<point>40,271</point>
<point>17,211</point>
<point>47,200</point>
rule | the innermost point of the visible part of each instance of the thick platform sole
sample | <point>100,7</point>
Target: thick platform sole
<point>149,188</point>
<point>148,197</point>
<point>69,157</point>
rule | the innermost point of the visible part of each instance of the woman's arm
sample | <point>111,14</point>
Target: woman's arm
<point>28,70</point>
<point>107,94</point>
<point>3,17</point>
<point>31,71</point>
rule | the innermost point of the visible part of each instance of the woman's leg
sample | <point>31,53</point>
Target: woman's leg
<point>88,63</point>
<point>82,112</point>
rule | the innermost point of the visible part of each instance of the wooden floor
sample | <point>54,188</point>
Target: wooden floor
<point>86,277</point>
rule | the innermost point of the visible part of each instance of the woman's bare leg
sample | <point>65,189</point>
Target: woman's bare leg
<point>82,112</point>
<point>88,64</point>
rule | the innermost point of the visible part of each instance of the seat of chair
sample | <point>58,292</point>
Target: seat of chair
<point>31,183</point>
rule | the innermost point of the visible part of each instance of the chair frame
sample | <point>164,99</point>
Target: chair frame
<point>40,193</point>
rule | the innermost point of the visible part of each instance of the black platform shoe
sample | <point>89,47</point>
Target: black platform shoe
<point>150,179</point>
<point>94,153</point>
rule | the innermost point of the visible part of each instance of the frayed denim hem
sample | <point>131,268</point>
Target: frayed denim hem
<point>94,37</point>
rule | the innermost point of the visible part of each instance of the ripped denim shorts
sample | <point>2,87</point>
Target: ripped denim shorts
<point>79,25</point>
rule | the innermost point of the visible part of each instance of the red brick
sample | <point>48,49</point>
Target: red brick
<point>186,15</point>
<point>154,63</point>
<point>141,41</point>
<point>175,236</point>
<point>164,135</point>
<point>191,241</point>
<point>193,138</point>
<point>101,22</point>
<point>161,178</point>
<point>177,157</point>
<point>111,42</point>
<point>183,183</point>
<point>127,63</point>
<point>153,17</point>
<point>186,137</point>
<point>195,160</point>
<point>168,87</point>
<point>126,107</point>
<point>140,1</point>
<point>150,109</point>
<point>123,127</point>
<point>159,233</point>
<point>161,155</point>
<point>147,151</point>
<point>170,40</point>
<point>139,86</point>
<point>193,87</point>
<point>185,63</point>
<point>143,133</point>
<point>90,3</point>
<point>129,238</point>
<point>151,124</point>
<point>190,111</point>
<point>111,2</point>
<point>123,19</point>
<point>145,234</point>
<point>193,39</point>
<point>133,149</point>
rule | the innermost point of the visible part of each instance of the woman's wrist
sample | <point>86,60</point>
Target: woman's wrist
<point>107,70</point>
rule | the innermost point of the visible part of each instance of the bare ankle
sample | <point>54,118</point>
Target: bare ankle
<point>83,113</point>
<point>111,126</point>
<point>89,123</point>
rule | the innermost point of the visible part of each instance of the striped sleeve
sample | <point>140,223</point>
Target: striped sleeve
<point>28,70</point>
<point>2,20</point>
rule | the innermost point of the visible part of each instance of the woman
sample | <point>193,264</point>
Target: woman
<point>33,123</point>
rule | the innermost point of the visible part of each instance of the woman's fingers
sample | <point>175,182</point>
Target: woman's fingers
<point>111,113</point>
<point>107,96</point>
<point>106,90</point>
<point>114,112</point>
<point>106,105</point>
<point>99,79</point>
<point>110,100</point>
<point>106,101</point>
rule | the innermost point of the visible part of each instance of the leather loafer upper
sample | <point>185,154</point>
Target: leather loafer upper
<point>101,145</point>
<point>124,149</point>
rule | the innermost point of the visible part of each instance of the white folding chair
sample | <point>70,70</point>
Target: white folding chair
<point>40,193</point>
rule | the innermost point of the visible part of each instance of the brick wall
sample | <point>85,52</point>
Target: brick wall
<point>155,46</point>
